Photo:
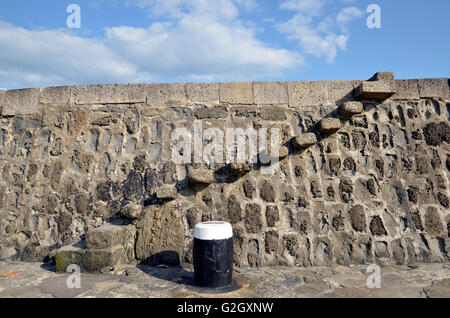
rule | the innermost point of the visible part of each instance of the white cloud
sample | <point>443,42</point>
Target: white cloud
<point>308,8</point>
<point>31,58</point>
<point>176,9</point>
<point>200,40</point>
<point>317,31</point>
<point>349,14</point>
<point>188,49</point>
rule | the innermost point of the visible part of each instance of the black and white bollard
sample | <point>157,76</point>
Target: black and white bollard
<point>213,254</point>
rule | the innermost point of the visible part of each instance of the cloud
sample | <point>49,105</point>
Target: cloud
<point>32,58</point>
<point>317,31</point>
<point>194,40</point>
<point>309,8</point>
<point>349,14</point>
<point>189,50</point>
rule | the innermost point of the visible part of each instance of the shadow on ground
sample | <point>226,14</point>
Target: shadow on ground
<point>173,274</point>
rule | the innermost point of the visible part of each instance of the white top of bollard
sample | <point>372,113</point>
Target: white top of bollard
<point>213,231</point>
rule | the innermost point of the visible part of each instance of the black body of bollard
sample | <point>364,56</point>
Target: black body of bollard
<point>213,254</point>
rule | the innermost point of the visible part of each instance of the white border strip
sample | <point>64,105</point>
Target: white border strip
<point>213,231</point>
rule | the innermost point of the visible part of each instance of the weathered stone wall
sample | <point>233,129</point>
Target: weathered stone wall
<point>377,190</point>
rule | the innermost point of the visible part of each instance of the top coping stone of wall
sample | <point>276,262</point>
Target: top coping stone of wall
<point>294,94</point>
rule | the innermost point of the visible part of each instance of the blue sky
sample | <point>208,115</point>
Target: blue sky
<point>219,40</point>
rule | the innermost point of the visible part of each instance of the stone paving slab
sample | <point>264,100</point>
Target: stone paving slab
<point>41,281</point>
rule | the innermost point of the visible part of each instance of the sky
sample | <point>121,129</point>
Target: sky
<point>146,41</point>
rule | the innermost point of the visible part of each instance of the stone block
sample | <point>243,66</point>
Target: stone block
<point>270,93</point>
<point>358,218</point>
<point>96,260</point>
<point>406,89</point>
<point>201,175</point>
<point>383,76</point>
<point>106,236</point>
<point>55,96</point>
<point>166,193</point>
<point>166,93</point>
<point>314,93</point>
<point>160,235</point>
<point>236,93</point>
<point>105,119</point>
<point>304,141</point>
<point>350,109</point>
<point>434,88</point>
<point>329,126</point>
<point>338,92</point>
<point>110,94</point>
<point>20,102</point>
<point>131,211</point>
<point>203,92</point>
<point>303,94</point>
<point>433,223</point>
<point>272,113</point>
<point>283,152</point>
<point>240,169</point>
<point>376,90</point>
<point>67,255</point>
<point>267,156</point>
<point>211,112</point>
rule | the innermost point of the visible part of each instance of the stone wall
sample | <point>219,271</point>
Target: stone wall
<point>375,188</point>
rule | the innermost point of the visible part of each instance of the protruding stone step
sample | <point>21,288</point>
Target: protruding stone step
<point>131,211</point>
<point>304,141</point>
<point>68,255</point>
<point>106,236</point>
<point>103,247</point>
<point>96,260</point>
<point>166,193</point>
<point>375,90</point>
<point>350,109</point>
<point>380,86</point>
<point>87,260</point>
<point>240,169</point>
<point>383,76</point>
<point>329,126</point>
<point>267,157</point>
<point>283,152</point>
<point>201,175</point>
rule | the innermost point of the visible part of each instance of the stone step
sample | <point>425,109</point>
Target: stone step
<point>90,261</point>
<point>383,76</point>
<point>166,193</point>
<point>103,247</point>
<point>267,158</point>
<point>329,126</point>
<point>240,169</point>
<point>106,236</point>
<point>350,109</point>
<point>380,86</point>
<point>97,260</point>
<point>201,175</point>
<point>304,141</point>
<point>67,255</point>
<point>131,211</point>
<point>376,90</point>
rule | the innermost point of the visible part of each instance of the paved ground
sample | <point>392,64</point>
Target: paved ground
<point>25,280</point>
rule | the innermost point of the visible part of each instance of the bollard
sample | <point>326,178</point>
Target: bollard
<point>213,254</point>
